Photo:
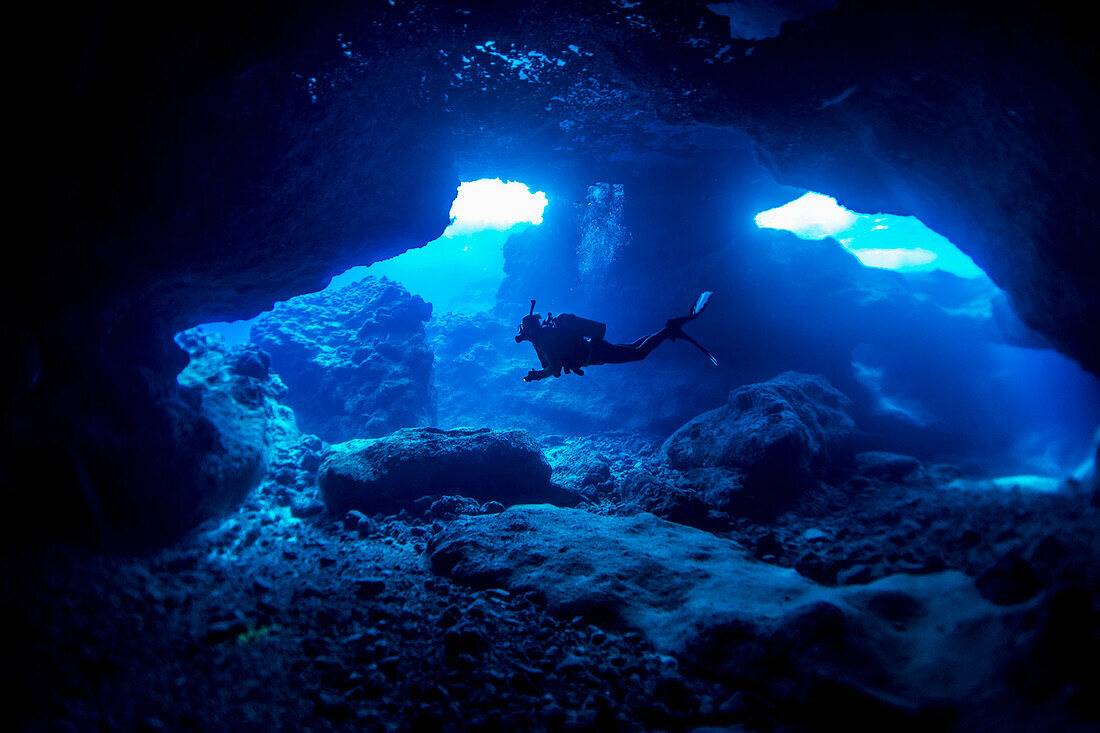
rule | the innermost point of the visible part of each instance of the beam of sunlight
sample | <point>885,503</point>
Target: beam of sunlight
<point>810,216</point>
<point>492,204</point>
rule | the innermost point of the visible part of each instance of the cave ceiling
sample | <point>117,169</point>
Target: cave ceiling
<point>219,161</point>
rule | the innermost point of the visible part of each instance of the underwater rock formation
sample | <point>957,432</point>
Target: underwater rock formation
<point>192,454</point>
<point>1001,176</point>
<point>857,651</point>
<point>239,415</point>
<point>390,473</point>
<point>784,434</point>
<point>885,466</point>
<point>355,360</point>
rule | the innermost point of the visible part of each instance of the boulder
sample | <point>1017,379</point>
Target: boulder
<point>900,648</point>
<point>389,474</point>
<point>783,434</point>
<point>885,466</point>
<point>355,360</point>
<point>239,420</point>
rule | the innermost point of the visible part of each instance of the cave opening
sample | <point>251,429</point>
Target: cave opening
<point>1033,412</point>
<point>921,334</point>
<point>461,269</point>
<point>890,242</point>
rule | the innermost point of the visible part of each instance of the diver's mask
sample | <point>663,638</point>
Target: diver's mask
<point>529,326</point>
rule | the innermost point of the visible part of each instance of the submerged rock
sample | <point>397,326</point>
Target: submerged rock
<point>355,360</point>
<point>389,474</point>
<point>885,466</point>
<point>779,436</point>
<point>240,418</point>
<point>858,650</point>
<point>1010,580</point>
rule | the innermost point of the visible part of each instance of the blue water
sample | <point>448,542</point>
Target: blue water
<point>999,407</point>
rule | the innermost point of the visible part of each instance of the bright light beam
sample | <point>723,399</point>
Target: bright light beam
<point>492,204</point>
<point>811,216</point>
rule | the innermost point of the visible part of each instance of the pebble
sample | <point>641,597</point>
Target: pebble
<point>855,575</point>
<point>366,527</point>
<point>219,631</point>
<point>307,508</point>
<point>369,587</point>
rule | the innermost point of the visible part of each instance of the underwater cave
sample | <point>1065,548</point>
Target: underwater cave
<point>557,365</point>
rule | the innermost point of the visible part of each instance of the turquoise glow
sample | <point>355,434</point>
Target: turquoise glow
<point>890,242</point>
<point>460,270</point>
<point>463,268</point>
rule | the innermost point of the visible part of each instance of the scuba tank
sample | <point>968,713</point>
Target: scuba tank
<point>580,326</point>
<point>565,322</point>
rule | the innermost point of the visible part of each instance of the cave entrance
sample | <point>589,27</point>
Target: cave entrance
<point>462,269</point>
<point>901,243</point>
<point>966,373</point>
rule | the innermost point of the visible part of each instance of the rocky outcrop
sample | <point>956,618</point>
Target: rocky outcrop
<point>898,649</point>
<point>784,434</point>
<point>1002,173</point>
<point>229,416</point>
<point>355,360</point>
<point>389,474</point>
<point>885,466</point>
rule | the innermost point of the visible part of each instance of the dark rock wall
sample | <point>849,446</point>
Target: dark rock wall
<point>977,118</point>
<point>212,436</point>
<point>188,170</point>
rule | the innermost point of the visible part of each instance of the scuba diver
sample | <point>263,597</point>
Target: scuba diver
<point>571,343</point>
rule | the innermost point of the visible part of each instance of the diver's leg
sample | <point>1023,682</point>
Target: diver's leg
<point>650,342</point>
<point>607,353</point>
<point>602,352</point>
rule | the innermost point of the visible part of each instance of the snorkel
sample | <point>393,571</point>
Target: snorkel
<point>529,325</point>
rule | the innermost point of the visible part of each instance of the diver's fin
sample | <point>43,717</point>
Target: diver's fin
<point>674,325</point>
<point>700,304</point>
<point>699,346</point>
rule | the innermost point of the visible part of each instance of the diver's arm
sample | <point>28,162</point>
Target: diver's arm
<point>550,365</point>
<point>536,374</point>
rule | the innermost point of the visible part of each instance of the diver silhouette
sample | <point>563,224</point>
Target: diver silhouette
<point>570,343</point>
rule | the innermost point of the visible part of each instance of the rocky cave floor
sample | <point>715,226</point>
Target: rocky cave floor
<point>283,617</point>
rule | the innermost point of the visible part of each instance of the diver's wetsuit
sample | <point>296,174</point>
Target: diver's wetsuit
<point>565,349</point>
<point>558,349</point>
<point>603,352</point>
